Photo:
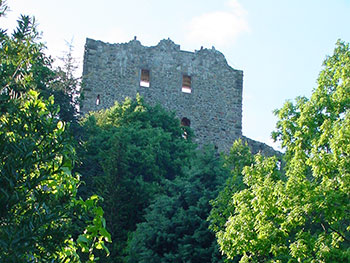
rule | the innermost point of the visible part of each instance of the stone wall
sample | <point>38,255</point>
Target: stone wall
<point>259,147</point>
<point>214,106</point>
<point>112,72</point>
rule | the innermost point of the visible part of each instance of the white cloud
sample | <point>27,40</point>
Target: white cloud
<point>219,27</point>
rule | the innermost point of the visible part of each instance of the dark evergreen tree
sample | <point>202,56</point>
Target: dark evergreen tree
<point>127,153</point>
<point>175,227</point>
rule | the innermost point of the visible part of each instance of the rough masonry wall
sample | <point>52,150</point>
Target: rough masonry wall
<point>214,106</point>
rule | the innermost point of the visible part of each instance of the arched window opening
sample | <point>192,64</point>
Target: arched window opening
<point>98,100</point>
<point>185,122</point>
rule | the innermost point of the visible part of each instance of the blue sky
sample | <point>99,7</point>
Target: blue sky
<point>279,44</point>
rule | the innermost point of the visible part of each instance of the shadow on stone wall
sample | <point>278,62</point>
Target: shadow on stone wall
<point>260,147</point>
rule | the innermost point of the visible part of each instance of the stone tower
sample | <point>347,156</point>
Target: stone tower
<point>203,90</point>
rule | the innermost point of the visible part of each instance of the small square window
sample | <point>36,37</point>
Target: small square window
<point>186,84</point>
<point>144,79</point>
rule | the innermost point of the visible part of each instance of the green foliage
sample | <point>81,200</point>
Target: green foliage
<point>223,206</point>
<point>175,227</point>
<point>40,216</point>
<point>300,214</point>
<point>127,153</point>
<point>24,66</point>
<point>38,192</point>
<point>64,88</point>
<point>253,222</point>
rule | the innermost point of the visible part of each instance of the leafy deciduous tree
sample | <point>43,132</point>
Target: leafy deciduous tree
<point>40,216</point>
<point>300,214</point>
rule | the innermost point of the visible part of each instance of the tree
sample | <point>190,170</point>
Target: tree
<point>222,206</point>
<point>24,61</point>
<point>64,88</point>
<point>300,213</point>
<point>127,153</point>
<point>175,227</point>
<point>41,218</point>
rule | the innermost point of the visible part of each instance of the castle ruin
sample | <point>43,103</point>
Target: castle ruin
<point>202,89</point>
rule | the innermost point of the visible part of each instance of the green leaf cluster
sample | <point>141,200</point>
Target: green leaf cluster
<point>40,214</point>
<point>299,212</point>
<point>222,207</point>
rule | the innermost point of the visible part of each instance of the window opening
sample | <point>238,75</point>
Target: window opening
<point>144,80</point>
<point>98,101</point>
<point>186,84</point>
<point>185,123</point>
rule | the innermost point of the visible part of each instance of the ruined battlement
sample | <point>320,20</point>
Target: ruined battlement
<point>203,90</point>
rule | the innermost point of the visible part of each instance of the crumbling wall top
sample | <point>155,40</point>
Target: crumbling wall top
<point>167,44</point>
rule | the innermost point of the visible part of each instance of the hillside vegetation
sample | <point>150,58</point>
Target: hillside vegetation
<point>128,183</point>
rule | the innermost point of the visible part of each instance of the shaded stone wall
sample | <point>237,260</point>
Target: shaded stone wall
<point>214,107</point>
<point>259,147</point>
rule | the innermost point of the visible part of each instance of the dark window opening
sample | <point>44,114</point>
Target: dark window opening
<point>98,101</point>
<point>185,122</point>
<point>186,84</point>
<point>144,80</point>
